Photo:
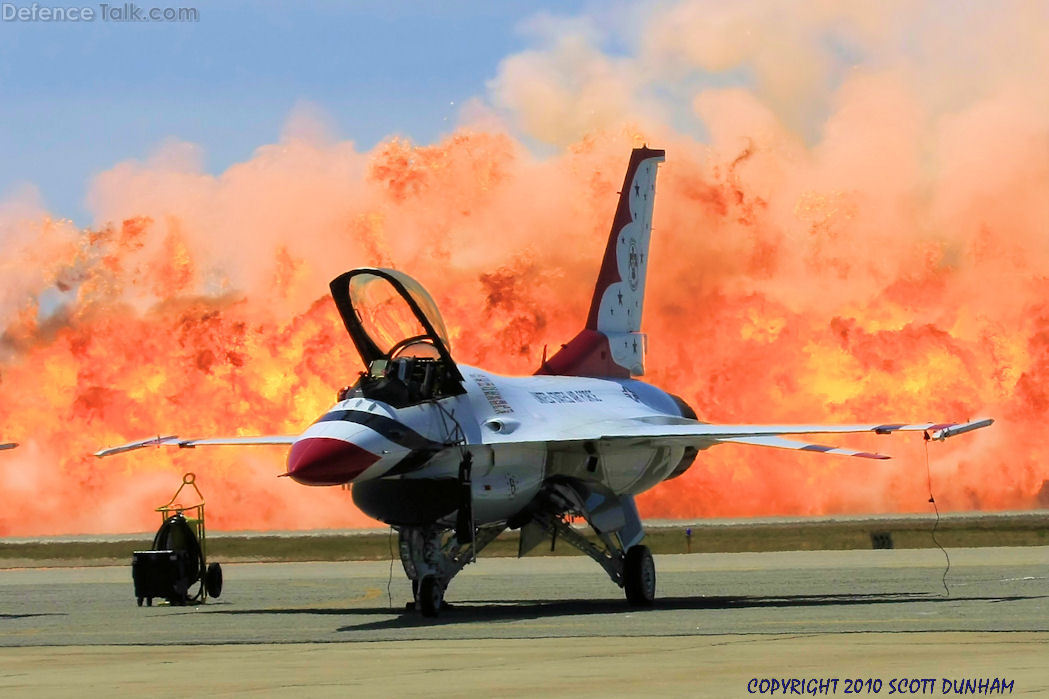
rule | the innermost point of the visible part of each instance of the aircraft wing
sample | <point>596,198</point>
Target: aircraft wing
<point>174,441</point>
<point>682,431</point>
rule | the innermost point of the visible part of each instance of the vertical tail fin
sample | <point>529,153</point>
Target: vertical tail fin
<point>611,344</point>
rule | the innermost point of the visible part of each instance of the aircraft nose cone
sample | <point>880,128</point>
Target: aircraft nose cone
<point>327,461</point>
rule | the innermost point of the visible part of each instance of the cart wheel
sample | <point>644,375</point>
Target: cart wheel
<point>213,580</point>
<point>140,601</point>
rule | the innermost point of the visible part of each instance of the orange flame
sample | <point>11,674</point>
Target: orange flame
<point>785,285</point>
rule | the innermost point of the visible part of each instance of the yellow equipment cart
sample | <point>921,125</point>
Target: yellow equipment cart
<point>176,569</point>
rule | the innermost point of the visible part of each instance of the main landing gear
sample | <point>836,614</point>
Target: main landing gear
<point>631,568</point>
<point>639,576</point>
<point>615,521</point>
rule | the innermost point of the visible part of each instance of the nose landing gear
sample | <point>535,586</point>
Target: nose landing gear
<point>431,596</point>
<point>432,556</point>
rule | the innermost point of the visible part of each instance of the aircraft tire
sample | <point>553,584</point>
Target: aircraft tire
<point>639,576</point>
<point>431,596</point>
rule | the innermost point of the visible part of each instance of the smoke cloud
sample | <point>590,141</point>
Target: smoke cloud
<point>852,225</point>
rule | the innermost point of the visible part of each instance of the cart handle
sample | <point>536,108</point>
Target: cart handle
<point>187,479</point>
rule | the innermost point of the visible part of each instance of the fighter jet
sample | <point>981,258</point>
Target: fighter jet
<point>452,455</point>
<point>8,445</point>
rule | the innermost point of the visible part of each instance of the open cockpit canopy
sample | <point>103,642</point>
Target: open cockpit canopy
<point>399,333</point>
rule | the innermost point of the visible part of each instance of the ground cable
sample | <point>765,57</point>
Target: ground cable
<point>928,475</point>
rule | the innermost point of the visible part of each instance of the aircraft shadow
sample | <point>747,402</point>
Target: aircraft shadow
<point>509,610</point>
<point>489,611</point>
<point>29,616</point>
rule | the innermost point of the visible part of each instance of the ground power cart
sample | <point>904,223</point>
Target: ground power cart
<point>177,569</point>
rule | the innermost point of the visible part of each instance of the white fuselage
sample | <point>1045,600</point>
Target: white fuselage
<point>519,430</point>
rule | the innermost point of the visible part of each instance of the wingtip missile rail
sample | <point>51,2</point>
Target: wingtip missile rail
<point>954,430</point>
<point>151,442</point>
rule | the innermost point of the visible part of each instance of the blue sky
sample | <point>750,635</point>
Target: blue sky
<point>77,97</point>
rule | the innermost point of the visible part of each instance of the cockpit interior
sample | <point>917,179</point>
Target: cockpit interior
<point>400,335</point>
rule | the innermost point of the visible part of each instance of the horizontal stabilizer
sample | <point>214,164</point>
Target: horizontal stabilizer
<point>780,443</point>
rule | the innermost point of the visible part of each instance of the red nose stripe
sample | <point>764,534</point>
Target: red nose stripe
<point>327,461</point>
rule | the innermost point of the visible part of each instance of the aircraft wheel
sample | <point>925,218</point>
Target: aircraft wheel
<point>431,596</point>
<point>213,580</point>
<point>639,576</point>
<point>140,601</point>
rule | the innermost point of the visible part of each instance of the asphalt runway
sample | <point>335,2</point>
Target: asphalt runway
<point>551,625</point>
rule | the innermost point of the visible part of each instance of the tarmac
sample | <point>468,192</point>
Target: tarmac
<point>724,625</point>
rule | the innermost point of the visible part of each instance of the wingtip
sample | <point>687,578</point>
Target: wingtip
<point>141,444</point>
<point>954,430</point>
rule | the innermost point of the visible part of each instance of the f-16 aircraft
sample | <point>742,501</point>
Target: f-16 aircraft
<point>451,455</point>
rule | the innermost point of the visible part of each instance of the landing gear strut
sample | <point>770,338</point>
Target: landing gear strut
<point>432,556</point>
<point>618,527</point>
